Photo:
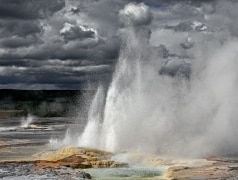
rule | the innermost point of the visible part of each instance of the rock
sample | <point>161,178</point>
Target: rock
<point>102,164</point>
<point>84,175</point>
<point>77,158</point>
<point>60,164</point>
<point>217,170</point>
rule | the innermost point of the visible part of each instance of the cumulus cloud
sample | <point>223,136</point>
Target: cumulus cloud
<point>74,32</point>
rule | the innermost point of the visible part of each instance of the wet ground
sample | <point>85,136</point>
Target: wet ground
<point>22,137</point>
<point>25,171</point>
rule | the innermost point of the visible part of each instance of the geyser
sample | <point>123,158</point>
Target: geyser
<point>184,114</point>
<point>27,121</point>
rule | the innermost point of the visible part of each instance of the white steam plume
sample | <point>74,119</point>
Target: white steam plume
<point>135,14</point>
<point>173,113</point>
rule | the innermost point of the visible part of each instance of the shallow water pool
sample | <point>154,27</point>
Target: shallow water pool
<point>131,173</point>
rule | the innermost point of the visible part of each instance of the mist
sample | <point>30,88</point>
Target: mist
<point>174,88</point>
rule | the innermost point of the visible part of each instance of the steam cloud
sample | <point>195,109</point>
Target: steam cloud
<point>176,93</point>
<point>135,14</point>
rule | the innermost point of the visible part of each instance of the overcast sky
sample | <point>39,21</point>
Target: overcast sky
<point>74,44</point>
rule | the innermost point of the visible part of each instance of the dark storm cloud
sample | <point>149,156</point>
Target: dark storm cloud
<point>15,42</point>
<point>103,14</point>
<point>29,9</point>
<point>19,27</point>
<point>55,74</point>
<point>70,41</point>
<point>36,43</point>
<point>13,62</point>
<point>92,51</point>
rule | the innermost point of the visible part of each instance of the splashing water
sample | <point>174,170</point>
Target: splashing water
<point>126,80</point>
<point>90,136</point>
<point>59,143</point>
<point>124,96</point>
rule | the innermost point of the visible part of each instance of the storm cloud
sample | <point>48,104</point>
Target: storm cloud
<point>70,43</point>
<point>26,9</point>
<point>56,44</point>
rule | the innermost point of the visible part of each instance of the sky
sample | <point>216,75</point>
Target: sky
<point>75,44</point>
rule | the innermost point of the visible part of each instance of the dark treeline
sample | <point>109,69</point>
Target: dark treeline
<point>45,103</point>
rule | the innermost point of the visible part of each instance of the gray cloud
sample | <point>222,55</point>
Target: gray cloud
<point>15,42</point>
<point>26,9</point>
<point>40,33</point>
<point>39,39</point>
<point>19,27</point>
<point>75,32</point>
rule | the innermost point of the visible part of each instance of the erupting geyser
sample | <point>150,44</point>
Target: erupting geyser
<point>27,121</point>
<point>90,137</point>
<point>180,104</point>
